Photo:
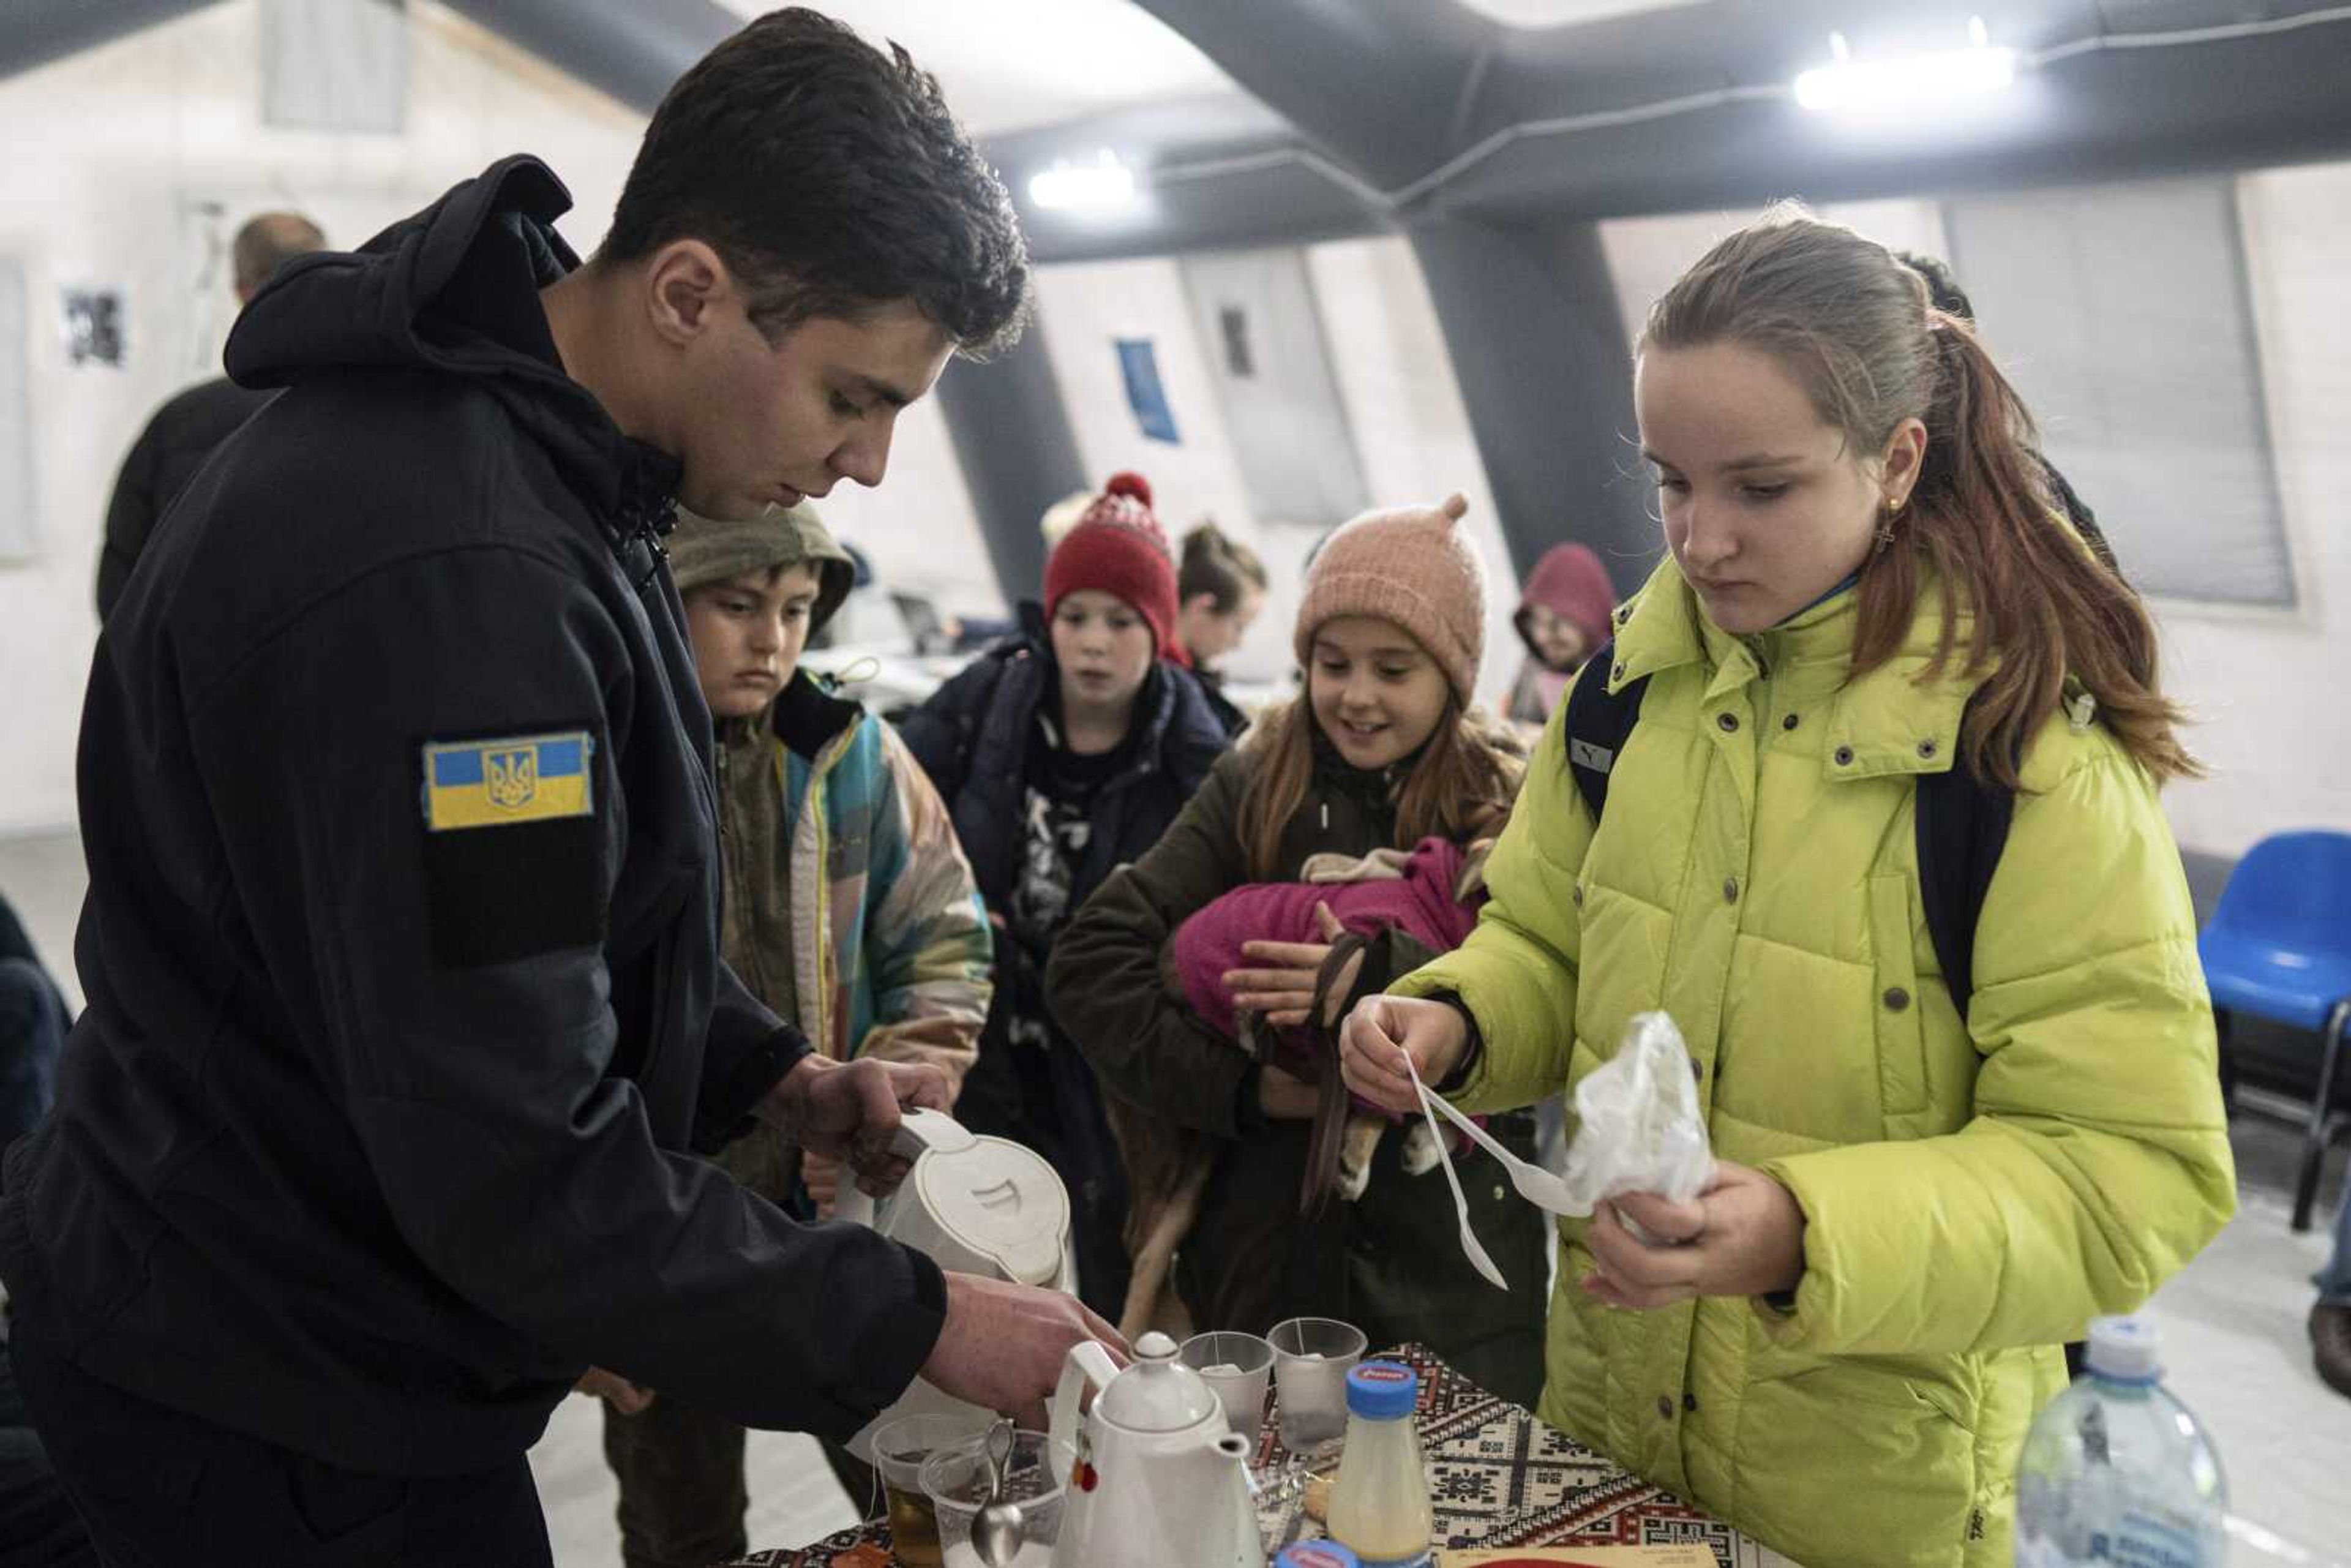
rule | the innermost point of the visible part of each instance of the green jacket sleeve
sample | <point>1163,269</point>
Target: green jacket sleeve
<point>926,932</point>
<point>1517,973</point>
<point>1105,982</point>
<point>2097,1159</point>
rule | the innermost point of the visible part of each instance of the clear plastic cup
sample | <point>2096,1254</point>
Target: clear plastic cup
<point>1239,1366</point>
<point>956,1482</point>
<point>1311,1358</point>
<point>900,1451</point>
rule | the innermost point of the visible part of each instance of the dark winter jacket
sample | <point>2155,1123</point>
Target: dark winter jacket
<point>377,1129</point>
<point>976,738</point>
<point>182,432</point>
<point>1390,1262</point>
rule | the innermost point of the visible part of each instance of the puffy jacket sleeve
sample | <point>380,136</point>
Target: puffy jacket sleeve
<point>1109,983</point>
<point>939,732</point>
<point>1516,972</point>
<point>516,1162</point>
<point>927,945</point>
<point>2097,1159</point>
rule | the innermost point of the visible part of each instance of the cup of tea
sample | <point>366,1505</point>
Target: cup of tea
<point>1311,1358</point>
<point>960,1483</point>
<point>900,1451</point>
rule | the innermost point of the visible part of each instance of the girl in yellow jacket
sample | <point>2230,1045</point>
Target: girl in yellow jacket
<point>1839,1345</point>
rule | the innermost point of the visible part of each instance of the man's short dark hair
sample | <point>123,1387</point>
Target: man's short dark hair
<point>830,178</point>
<point>268,242</point>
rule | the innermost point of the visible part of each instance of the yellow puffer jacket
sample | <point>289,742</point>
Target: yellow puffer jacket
<point>1974,1193</point>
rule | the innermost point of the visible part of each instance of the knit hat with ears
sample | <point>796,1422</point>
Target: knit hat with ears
<point>1413,567</point>
<point>1118,547</point>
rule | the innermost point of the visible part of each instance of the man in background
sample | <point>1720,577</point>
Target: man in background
<point>184,431</point>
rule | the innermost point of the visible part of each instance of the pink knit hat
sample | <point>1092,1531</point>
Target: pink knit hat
<point>1412,565</point>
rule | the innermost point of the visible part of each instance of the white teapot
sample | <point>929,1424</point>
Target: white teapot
<point>1159,1480</point>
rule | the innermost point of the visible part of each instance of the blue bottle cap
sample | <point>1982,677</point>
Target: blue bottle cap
<point>1318,1554</point>
<point>1383,1390</point>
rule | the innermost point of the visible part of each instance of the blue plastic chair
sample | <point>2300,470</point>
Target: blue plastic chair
<point>2279,946</point>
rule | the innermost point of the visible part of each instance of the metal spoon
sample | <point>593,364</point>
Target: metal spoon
<point>998,1532</point>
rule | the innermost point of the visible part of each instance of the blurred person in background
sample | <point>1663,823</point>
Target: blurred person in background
<point>1562,619</point>
<point>1220,588</point>
<point>182,432</point>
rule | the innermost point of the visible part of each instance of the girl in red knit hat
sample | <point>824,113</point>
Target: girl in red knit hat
<point>1062,753</point>
<point>1380,752</point>
<point>1563,618</point>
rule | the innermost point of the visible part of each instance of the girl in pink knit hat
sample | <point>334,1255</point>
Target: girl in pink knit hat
<point>1382,752</point>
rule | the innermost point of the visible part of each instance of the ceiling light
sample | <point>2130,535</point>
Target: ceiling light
<point>1903,81</point>
<point>1104,182</point>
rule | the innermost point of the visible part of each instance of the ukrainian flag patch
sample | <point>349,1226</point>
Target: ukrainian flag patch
<point>495,783</point>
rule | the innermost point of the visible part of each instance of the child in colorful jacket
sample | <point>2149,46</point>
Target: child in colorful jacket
<point>849,908</point>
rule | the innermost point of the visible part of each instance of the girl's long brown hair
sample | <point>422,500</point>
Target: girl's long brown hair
<point>1852,323</point>
<point>1460,788</point>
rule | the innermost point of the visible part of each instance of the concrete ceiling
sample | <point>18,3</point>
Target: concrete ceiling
<point>1008,65</point>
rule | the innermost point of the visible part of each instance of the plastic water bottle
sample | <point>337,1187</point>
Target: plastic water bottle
<point>2117,1471</point>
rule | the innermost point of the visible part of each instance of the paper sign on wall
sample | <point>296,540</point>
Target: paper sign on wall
<point>1138,361</point>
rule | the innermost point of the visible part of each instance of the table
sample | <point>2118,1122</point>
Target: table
<point>1497,1478</point>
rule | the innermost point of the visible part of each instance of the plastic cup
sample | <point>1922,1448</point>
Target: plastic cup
<point>900,1451</point>
<point>1311,1358</point>
<point>1239,1366</point>
<point>956,1482</point>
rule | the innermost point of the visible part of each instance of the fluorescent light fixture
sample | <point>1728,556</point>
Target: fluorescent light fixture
<point>1847,83</point>
<point>1104,182</point>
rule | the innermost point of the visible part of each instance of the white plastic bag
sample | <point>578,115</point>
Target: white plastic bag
<point>1638,1127</point>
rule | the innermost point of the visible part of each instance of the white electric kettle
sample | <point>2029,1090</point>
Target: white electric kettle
<point>1159,1478</point>
<point>975,1206</point>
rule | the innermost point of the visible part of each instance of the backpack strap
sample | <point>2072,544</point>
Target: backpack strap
<point>1963,826</point>
<point>1598,724</point>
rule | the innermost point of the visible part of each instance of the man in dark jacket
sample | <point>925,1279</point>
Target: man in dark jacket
<point>406,1018</point>
<point>188,428</point>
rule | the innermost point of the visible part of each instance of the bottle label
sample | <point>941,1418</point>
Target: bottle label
<point>1418,1560</point>
<point>2138,1539</point>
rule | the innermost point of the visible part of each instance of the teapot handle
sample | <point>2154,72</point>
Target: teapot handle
<point>1087,1363</point>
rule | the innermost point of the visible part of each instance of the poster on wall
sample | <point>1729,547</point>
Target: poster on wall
<point>92,320</point>
<point>1138,362</point>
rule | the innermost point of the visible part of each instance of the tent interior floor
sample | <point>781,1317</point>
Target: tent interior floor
<point>2232,1321</point>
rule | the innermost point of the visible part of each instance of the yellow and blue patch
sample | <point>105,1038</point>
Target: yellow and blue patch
<point>494,783</point>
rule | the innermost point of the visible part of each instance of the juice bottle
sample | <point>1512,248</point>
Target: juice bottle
<point>1379,1506</point>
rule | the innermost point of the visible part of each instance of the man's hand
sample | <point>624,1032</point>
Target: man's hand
<point>821,1176</point>
<point>1743,1236</point>
<point>852,1110</point>
<point>1381,1031</point>
<point>614,1390</point>
<point>1003,1346</point>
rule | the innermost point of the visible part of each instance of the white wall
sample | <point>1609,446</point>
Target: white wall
<point>1396,376</point>
<point>111,152</point>
<point>2269,691</point>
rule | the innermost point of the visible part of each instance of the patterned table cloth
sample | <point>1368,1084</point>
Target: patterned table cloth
<point>1497,1478</point>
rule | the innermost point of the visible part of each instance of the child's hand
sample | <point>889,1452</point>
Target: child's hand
<point>1743,1236</point>
<point>1284,996</point>
<point>614,1390</point>
<point>1380,1032</point>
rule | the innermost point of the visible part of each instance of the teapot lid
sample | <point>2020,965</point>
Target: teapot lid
<point>1157,1393</point>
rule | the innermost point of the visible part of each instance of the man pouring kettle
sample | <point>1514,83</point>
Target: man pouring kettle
<point>406,1015</point>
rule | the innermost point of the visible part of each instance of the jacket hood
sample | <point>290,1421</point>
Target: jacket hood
<point>1570,582</point>
<point>454,290</point>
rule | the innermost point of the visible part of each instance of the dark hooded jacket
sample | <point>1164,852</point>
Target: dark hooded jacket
<point>377,1128</point>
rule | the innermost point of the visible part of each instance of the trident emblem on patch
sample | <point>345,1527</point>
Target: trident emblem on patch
<point>510,778</point>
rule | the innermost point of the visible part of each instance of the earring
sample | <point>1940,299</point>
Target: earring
<point>1885,516</point>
